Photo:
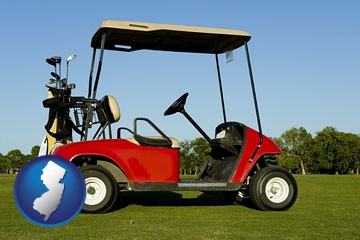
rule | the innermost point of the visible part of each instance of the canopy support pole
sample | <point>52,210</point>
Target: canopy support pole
<point>90,110</point>
<point>220,86</point>
<point>255,103</point>
<point>91,72</point>
<point>100,64</point>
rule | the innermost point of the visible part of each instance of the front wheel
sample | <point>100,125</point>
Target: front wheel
<point>273,188</point>
<point>101,189</point>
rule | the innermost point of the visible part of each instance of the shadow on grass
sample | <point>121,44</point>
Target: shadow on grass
<point>172,199</point>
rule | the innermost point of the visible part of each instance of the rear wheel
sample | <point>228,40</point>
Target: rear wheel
<point>273,188</point>
<point>101,189</point>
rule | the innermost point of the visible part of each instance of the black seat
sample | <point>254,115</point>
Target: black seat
<point>153,142</point>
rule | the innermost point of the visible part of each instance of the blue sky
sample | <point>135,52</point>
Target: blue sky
<point>305,58</point>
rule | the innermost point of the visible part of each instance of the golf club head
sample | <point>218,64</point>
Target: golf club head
<point>56,59</point>
<point>51,62</point>
<point>71,86</point>
<point>70,58</point>
<point>63,82</point>
<point>51,80</point>
<point>55,75</point>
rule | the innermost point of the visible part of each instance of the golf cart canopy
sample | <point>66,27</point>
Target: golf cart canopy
<point>132,36</point>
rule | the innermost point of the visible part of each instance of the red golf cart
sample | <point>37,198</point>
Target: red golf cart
<point>241,162</point>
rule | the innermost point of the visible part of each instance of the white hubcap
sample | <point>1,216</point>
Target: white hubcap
<point>277,190</point>
<point>95,191</point>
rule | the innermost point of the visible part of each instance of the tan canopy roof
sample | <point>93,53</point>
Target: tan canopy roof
<point>131,36</point>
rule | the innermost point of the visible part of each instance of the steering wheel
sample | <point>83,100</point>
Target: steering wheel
<point>177,106</point>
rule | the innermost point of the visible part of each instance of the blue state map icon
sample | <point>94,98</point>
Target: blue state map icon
<point>49,191</point>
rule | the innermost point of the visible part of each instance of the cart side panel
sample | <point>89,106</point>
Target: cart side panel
<point>251,143</point>
<point>139,163</point>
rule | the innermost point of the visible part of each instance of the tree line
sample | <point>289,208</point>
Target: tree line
<point>329,152</point>
<point>15,159</point>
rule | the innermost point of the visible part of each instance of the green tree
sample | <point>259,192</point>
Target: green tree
<point>193,155</point>
<point>349,154</point>
<point>295,144</point>
<point>201,149</point>
<point>356,164</point>
<point>16,158</point>
<point>5,163</point>
<point>185,153</point>
<point>34,154</point>
<point>329,154</point>
<point>34,151</point>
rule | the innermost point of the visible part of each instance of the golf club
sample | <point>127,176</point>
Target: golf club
<point>69,59</point>
<point>55,75</point>
<point>57,60</point>
<point>51,62</point>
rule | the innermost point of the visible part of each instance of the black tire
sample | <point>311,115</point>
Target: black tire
<point>273,188</point>
<point>101,189</point>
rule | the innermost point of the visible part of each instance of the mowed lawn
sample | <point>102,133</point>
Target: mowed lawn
<point>328,207</point>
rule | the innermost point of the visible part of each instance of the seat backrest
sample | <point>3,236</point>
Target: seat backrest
<point>111,108</point>
<point>174,142</point>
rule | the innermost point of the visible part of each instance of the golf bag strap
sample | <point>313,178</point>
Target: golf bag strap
<point>66,132</point>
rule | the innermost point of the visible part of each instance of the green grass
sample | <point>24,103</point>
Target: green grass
<point>328,207</point>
